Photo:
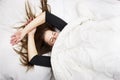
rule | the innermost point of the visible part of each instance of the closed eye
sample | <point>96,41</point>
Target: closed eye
<point>53,33</point>
<point>52,39</point>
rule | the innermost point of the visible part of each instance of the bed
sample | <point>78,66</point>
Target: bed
<point>13,12</point>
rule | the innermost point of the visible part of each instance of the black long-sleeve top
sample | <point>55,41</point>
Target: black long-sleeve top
<point>59,24</point>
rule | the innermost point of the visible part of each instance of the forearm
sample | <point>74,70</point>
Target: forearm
<point>35,23</point>
<point>31,47</point>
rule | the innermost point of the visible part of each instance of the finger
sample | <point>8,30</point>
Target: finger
<point>13,41</point>
<point>16,41</point>
<point>13,36</point>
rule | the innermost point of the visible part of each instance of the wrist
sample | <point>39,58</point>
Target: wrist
<point>24,32</point>
<point>31,34</point>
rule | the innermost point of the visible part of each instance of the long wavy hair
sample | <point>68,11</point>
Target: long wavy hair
<point>41,46</point>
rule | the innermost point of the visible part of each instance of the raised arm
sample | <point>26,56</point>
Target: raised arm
<point>33,56</point>
<point>40,19</point>
<point>19,35</point>
<point>31,45</point>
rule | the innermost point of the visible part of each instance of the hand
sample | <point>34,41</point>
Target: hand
<point>17,37</point>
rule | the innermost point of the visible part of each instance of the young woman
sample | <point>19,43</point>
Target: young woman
<point>44,17</point>
<point>39,42</point>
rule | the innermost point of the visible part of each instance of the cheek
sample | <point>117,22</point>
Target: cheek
<point>46,38</point>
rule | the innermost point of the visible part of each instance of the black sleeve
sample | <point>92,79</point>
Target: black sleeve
<point>41,61</point>
<point>55,21</point>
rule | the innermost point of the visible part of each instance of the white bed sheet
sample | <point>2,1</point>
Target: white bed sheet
<point>12,12</point>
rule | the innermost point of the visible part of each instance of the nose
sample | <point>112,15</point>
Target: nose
<point>55,35</point>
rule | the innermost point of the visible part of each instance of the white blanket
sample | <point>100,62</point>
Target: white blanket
<point>88,50</point>
<point>98,9</point>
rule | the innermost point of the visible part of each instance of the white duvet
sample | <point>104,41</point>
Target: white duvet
<point>88,50</point>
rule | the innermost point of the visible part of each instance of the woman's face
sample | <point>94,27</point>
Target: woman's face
<point>50,37</point>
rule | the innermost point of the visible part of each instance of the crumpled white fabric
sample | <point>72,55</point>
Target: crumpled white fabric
<point>88,50</point>
<point>88,47</point>
<point>98,9</point>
